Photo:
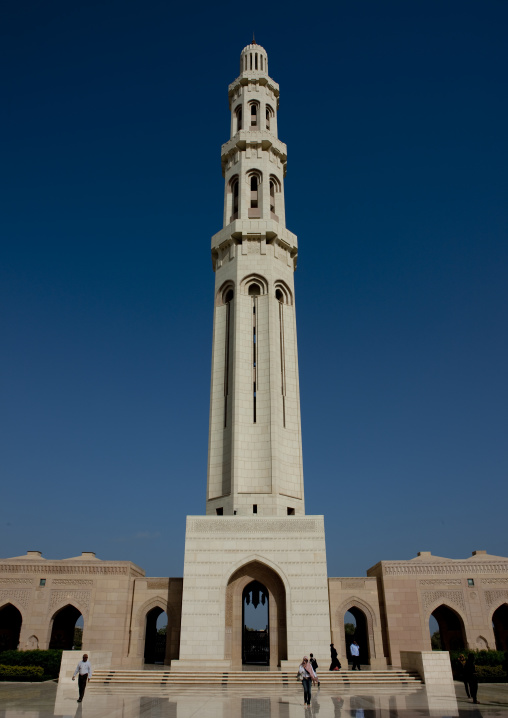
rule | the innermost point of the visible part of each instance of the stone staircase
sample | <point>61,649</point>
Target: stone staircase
<point>390,678</point>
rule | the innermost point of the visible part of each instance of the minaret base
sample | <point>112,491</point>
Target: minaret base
<point>223,555</point>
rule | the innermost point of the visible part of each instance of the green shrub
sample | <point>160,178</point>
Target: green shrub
<point>490,674</point>
<point>49,661</point>
<point>21,673</point>
<point>489,667</point>
<point>482,658</point>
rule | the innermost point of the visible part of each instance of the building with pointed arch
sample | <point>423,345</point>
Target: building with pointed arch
<point>255,544</point>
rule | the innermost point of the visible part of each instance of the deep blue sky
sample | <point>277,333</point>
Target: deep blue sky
<point>395,116</point>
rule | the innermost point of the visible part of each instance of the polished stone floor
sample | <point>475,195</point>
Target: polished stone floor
<point>43,700</point>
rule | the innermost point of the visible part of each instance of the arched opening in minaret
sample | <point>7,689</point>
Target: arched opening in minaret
<point>238,115</point>
<point>254,290</point>
<point>266,641</point>
<point>10,627</point>
<point>268,114</point>
<point>254,115</point>
<point>450,635</point>
<point>256,637</point>
<point>228,297</point>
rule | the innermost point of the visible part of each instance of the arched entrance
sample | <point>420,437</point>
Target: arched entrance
<point>255,621</point>
<point>62,632</point>
<point>255,580</point>
<point>355,629</point>
<point>10,627</point>
<point>500,626</point>
<point>451,629</point>
<point>155,635</point>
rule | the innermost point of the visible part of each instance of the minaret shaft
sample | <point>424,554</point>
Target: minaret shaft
<point>255,454</point>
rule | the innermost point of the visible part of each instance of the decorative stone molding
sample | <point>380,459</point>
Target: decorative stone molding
<point>61,598</point>
<point>493,597</point>
<point>16,581</point>
<point>353,583</point>
<point>440,582</point>
<point>72,582</point>
<point>260,526</point>
<point>46,569</point>
<point>455,597</point>
<point>157,583</point>
<point>495,581</point>
<point>403,569</point>
<point>22,597</point>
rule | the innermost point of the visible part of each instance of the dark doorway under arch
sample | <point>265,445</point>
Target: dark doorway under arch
<point>156,635</point>
<point>64,623</point>
<point>500,626</point>
<point>255,621</point>
<point>271,582</point>
<point>355,616</point>
<point>10,627</point>
<point>451,629</point>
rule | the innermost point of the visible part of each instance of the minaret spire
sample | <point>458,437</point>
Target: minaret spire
<point>255,453</point>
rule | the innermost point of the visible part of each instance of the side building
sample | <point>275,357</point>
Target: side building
<point>41,601</point>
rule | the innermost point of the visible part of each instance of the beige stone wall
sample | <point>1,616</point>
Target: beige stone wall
<point>286,554</point>
<point>149,593</point>
<point>411,590</point>
<point>360,593</point>
<point>112,596</point>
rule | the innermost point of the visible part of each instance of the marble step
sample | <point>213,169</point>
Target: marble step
<point>163,677</point>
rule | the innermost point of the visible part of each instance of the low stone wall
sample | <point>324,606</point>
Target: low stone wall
<point>434,667</point>
<point>70,659</point>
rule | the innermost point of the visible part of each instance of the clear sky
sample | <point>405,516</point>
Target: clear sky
<point>113,114</point>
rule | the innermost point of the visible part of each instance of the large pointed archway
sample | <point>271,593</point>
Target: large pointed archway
<point>255,622</point>
<point>263,581</point>
<point>452,635</point>
<point>10,627</point>
<point>500,626</point>
<point>63,628</point>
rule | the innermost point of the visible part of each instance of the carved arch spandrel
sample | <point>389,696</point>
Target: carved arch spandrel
<point>155,602</point>
<point>429,610</point>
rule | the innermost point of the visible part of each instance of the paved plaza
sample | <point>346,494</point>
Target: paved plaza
<point>47,699</point>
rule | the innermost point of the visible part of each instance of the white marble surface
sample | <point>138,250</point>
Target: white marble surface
<point>46,700</point>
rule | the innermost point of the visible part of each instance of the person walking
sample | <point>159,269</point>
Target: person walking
<point>355,655</point>
<point>471,677</point>
<point>335,664</point>
<point>461,664</point>
<point>85,673</point>
<point>306,671</point>
<point>315,666</point>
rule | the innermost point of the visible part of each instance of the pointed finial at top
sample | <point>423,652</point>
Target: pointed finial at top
<point>253,38</point>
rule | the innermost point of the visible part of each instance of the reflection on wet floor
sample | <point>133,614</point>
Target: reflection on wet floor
<point>47,700</point>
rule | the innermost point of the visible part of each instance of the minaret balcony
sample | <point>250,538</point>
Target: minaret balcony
<point>254,138</point>
<point>267,228</point>
<point>253,77</point>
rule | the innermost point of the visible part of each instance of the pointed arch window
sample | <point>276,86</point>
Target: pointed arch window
<point>239,118</point>
<point>274,191</point>
<point>269,114</point>
<point>235,187</point>
<point>254,179</point>
<point>254,116</point>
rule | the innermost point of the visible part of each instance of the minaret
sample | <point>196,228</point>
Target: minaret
<point>255,533</point>
<point>255,447</point>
